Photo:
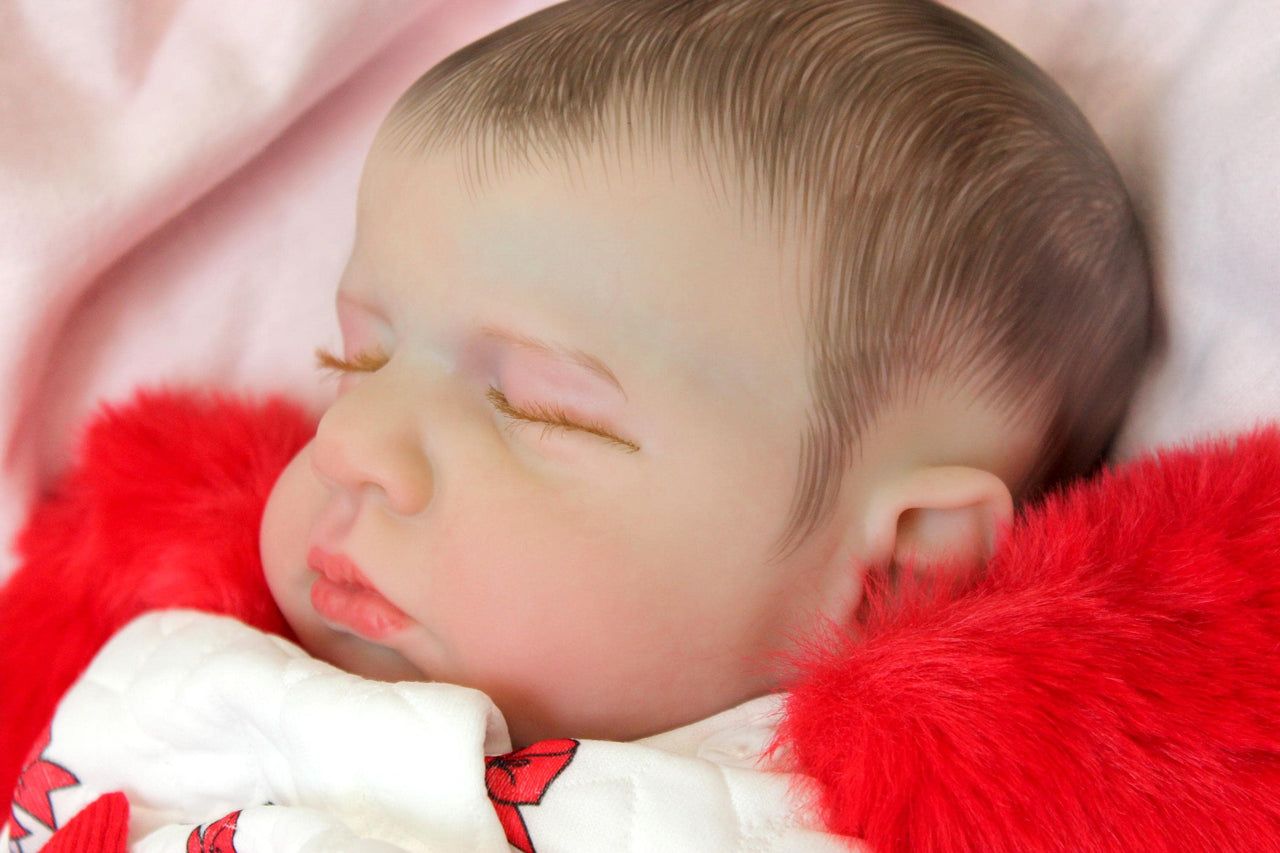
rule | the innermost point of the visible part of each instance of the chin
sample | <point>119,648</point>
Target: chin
<point>365,659</point>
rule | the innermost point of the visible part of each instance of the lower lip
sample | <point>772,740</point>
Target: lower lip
<point>356,609</point>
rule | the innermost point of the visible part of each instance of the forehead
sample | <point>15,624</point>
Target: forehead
<point>642,253</point>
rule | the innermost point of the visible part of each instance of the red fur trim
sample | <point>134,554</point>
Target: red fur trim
<point>162,511</point>
<point>1111,684</point>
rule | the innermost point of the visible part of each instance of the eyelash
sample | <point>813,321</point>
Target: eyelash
<point>550,417</point>
<point>369,361</point>
<point>553,418</point>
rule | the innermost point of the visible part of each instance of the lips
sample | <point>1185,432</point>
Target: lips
<point>344,598</point>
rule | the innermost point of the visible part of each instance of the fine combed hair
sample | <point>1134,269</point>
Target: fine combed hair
<point>966,224</point>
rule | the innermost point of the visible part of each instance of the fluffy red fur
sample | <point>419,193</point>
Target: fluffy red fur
<point>1111,684</point>
<point>161,511</point>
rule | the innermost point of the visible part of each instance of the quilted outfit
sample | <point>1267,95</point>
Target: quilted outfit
<point>1110,684</point>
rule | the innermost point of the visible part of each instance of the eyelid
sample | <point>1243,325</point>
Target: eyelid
<point>550,416</point>
<point>368,361</point>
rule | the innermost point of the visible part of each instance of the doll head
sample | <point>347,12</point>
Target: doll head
<point>666,320</point>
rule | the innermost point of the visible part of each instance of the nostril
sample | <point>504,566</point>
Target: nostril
<point>408,495</point>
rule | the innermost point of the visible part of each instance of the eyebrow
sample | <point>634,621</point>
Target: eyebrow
<point>573,356</point>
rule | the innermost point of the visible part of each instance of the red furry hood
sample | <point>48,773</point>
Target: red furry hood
<point>1111,684</point>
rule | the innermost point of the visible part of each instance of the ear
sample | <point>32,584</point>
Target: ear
<point>939,518</point>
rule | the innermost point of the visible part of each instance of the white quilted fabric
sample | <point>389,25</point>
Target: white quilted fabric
<point>197,718</point>
<point>194,716</point>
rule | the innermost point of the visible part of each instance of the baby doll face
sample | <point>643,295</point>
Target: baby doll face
<point>564,448</point>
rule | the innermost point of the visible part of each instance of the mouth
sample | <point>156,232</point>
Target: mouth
<point>345,599</point>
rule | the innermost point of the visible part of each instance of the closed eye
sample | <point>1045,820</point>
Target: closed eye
<point>554,418</point>
<point>368,361</point>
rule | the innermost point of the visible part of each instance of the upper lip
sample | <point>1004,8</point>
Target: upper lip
<point>338,568</point>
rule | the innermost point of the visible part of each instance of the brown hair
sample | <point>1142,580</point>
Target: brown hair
<point>966,221</point>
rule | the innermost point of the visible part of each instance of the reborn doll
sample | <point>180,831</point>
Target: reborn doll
<point>664,351</point>
<point>664,323</point>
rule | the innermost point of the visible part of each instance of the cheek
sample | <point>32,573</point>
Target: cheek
<point>531,583</point>
<point>286,522</point>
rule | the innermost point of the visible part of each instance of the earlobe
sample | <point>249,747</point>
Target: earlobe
<point>938,518</point>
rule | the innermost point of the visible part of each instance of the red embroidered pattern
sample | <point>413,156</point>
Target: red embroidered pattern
<point>35,783</point>
<point>216,837</point>
<point>521,778</point>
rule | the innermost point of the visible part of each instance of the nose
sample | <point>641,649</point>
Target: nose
<point>368,442</point>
